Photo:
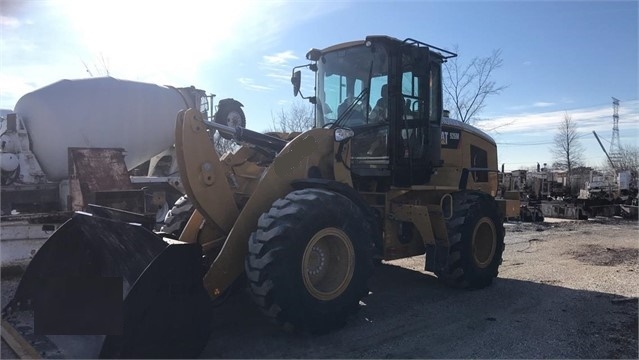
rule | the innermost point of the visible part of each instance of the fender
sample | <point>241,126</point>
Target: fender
<point>327,184</point>
<point>229,102</point>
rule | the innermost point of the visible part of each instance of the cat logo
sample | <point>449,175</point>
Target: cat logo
<point>450,138</point>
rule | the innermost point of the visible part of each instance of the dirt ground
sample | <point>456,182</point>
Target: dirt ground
<point>566,289</point>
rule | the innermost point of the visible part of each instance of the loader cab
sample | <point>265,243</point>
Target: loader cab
<point>388,91</point>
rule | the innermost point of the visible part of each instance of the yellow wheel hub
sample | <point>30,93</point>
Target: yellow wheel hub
<point>328,264</point>
<point>484,242</point>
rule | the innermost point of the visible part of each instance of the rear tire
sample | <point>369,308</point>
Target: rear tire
<point>177,217</point>
<point>230,113</point>
<point>476,237</point>
<point>310,260</point>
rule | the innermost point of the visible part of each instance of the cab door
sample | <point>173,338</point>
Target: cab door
<point>416,119</point>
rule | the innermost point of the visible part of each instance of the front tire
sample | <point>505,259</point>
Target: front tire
<point>476,239</point>
<point>310,260</point>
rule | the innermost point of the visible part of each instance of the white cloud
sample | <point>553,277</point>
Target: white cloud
<point>588,119</point>
<point>13,87</point>
<point>543,104</point>
<point>517,107</point>
<point>281,58</point>
<point>277,67</point>
<point>281,77</point>
<point>9,22</point>
<point>250,84</point>
<point>533,105</point>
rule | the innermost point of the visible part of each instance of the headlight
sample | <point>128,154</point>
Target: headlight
<point>342,134</point>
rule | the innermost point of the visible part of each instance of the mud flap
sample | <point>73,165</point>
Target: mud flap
<point>104,288</point>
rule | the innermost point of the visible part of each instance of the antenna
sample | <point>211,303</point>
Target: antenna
<point>615,146</point>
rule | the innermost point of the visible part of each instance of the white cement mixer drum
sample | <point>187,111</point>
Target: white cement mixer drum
<point>99,112</point>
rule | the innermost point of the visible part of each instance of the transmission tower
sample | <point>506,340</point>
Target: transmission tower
<point>615,146</point>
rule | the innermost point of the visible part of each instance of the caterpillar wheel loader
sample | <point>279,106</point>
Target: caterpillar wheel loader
<point>302,217</point>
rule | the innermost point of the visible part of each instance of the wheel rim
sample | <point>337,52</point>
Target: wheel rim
<point>328,264</point>
<point>484,242</point>
<point>234,119</point>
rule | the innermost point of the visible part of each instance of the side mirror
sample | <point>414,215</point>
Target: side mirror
<point>296,80</point>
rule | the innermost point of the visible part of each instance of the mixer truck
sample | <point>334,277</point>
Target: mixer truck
<point>86,142</point>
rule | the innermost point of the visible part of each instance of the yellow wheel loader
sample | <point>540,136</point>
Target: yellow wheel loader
<point>382,176</point>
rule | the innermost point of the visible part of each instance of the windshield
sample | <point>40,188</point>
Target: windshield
<point>349,84</point>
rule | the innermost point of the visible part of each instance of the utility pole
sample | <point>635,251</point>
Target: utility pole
<point>615,146</point>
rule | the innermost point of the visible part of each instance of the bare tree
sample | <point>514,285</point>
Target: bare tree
<point>298,117</point>
<point>466,87</point>
<point>103,70</point>
<point>628,159</point>
<point>567,151</point>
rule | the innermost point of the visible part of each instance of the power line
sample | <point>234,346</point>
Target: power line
<point>606,140</point>
<point>523,144</point>
<point>535,143</point>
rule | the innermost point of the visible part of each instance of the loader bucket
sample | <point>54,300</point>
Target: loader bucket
<point>105,288</point>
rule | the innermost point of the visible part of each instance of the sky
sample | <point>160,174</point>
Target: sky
<point>559,57</point>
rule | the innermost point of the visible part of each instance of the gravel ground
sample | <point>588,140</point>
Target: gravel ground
<point>566,289</point>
